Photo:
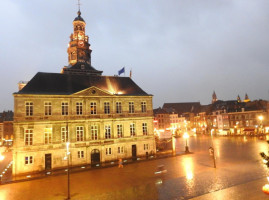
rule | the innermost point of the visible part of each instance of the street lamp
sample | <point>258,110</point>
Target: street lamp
<point>68,174</point>
<point>261,125</point>
<point>186,136</point>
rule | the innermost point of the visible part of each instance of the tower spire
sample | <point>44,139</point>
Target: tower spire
<point>79,5</point>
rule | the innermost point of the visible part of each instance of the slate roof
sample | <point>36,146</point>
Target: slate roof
<point>180,108</point>
<point>66,84</point>
<point>6,116</point>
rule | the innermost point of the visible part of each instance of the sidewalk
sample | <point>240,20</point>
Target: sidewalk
<point>250,191</point>
<point>8,178</point>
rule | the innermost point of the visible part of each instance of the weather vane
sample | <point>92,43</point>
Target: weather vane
<point>79,5</point>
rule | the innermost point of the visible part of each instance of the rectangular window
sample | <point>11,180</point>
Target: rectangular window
<point>79,108</point>
<point>64,134</point>
<point>79,133</point>
<point>143,107</point>
<point>120,150</point>
<point>108,151</point>
<point>145,128</point>
<point>64,108</point>
<point>47,106</point>
<point>28,160</point>
<point>80,154</point>
<point>94,132</point>
<point>48,135</point>
<point>29,108</point>
<point>106,108</point>
<point>131,107</point>
<point>132,129</point>
<point>107,132</point>
<point>146,146</point>
<point>93,108</point>
<point>119,130</point>
<point>28,137</point>
<point>118,107</point>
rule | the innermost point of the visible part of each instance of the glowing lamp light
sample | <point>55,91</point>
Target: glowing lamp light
<point>186,135</point>
<point>2,157</point>
<point>265,161</point>
<point>265,188</point>
<point>261,117</point>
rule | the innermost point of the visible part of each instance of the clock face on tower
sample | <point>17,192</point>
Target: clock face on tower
<point>81,44</point>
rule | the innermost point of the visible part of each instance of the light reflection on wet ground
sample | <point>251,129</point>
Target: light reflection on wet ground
<point>187,176</point>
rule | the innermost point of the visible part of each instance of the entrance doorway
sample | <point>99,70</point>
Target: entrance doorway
<point>133,151</point>
<point>95,157</point>
<point>48,161</point>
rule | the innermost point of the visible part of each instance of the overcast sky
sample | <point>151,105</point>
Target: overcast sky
<point>178,50</point>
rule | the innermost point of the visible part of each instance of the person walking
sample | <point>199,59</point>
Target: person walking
<point>120,163</point>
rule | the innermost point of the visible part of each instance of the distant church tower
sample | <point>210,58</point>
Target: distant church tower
<point>214,97</point>
<point>238,99</point>
<point>246,98</point>
<point>79,50</point>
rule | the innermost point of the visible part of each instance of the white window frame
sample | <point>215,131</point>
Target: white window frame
<point>64,134</point>
<point>79,108</point>
<point>107,132</point>
<point>65,106</point>
<point>29,108</point>
<point>48,136</point>
<point>145,128</point>
<point>79,133</point>
<point>120,150</point>
<point>93,108</point>
<point>119,130</point>
<point>131,107</point>
<point>108,151</point>
<point>28,160</point>
<point>80,154</point>
<point>143,106</point>
<point>118,107</point>
<point>132,129</point>
<point>94,132</point>
<point>28,137</point>
<point>47,108</point>
<point>106,107</point>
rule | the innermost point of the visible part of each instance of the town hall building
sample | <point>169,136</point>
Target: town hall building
<point>104,118</point>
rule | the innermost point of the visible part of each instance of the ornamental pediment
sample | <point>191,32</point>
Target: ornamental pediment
<point>92,91</point>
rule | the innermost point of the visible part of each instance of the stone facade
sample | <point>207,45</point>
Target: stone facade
<point>39,124</point>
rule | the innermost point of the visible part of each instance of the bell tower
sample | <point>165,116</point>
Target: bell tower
<point>79,50</point>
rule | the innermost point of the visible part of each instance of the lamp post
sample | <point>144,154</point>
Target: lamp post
<point>68,174</point>
<point>261,125</point>
<point>186,136</point>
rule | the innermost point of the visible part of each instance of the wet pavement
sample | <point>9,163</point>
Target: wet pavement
<point>239,168</point>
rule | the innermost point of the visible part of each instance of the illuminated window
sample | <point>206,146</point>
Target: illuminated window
<point>29,108</point>
<point>106,108</point>
<point>119,130</point>
<point>28,160</point>
<point>107,132</point>
<point>132,129</point>
<point>120,150</point>
<point>64,108</point>
<point>143,106</point>
<point>94,132</point>
<point>145,128</point>
<point>93,108</point>
<point>47,106</point>
<point>48,135</point>
<point>108,151</point>
<point>80,154</point>
<point>64,134</point>
<point>28,137</point>
<point>131,107</point>
<point>79,108</point>
<point>79,133</point>
<point>118,107</point>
